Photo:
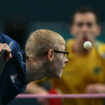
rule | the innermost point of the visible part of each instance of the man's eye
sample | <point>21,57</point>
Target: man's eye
<point>89,24</point>
<point>80,24</point>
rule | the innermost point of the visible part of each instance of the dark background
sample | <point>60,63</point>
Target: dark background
<point>48,10</point>
<point>50,14</point>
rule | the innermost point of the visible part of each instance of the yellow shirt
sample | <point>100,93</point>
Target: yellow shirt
<point>79,72</point>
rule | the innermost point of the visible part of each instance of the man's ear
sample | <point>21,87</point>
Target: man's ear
<point>50,54</point>
<point>71,30</point>
<point>99,28</point>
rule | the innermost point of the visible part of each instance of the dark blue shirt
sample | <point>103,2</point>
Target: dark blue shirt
<point>13,78</point>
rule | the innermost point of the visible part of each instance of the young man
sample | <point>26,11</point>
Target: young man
<point>85,70</point>
<point>44,57</point>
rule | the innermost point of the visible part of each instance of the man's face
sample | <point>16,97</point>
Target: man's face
<point>57,64</point>
<point>85,27</point>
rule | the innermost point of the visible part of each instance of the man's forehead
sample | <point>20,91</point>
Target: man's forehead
<point>84,17</point>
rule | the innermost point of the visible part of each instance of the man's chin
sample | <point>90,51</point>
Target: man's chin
<point>58,75</point>
<point>54,76</point>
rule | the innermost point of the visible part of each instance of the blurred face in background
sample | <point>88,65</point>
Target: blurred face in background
<point>85,27</point>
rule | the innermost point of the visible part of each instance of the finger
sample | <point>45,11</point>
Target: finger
<point>89,89</point>
<point>9,57</point>
<point>92,90</point>
<point>6,47</point>
<point>0,47</point>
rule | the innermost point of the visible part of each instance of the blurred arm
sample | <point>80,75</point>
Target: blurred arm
<point>35,89</point>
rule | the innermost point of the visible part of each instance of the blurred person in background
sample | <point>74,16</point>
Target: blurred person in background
<point>17,28</point>
<point>85,70</point>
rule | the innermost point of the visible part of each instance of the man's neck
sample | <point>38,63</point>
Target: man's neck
<point>34,73</point>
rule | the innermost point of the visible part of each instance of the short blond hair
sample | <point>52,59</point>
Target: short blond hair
<point>40,41</point>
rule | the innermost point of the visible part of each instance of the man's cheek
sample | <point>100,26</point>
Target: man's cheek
<point>61,63</point>
<point>77,33</point>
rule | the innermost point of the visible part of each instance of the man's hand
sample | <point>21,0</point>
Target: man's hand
<point>96,88</point>
<point>35,89</point>
<point>5,46</point>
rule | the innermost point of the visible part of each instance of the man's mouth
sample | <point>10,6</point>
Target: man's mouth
<point>85,39</point>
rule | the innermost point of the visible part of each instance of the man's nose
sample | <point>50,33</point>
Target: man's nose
<point>84,28</point>
<point>65,60</point>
